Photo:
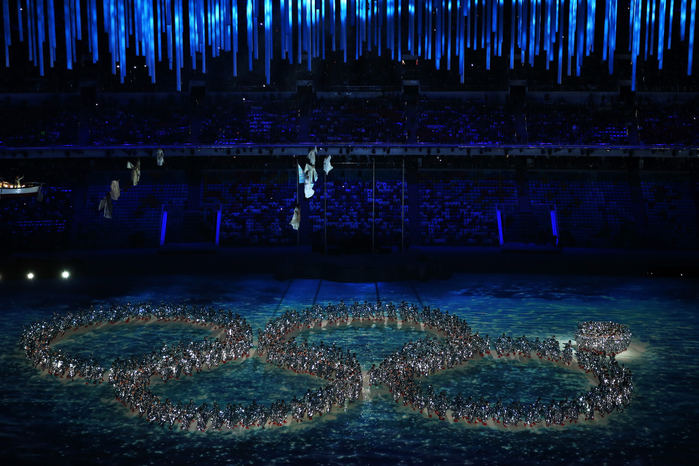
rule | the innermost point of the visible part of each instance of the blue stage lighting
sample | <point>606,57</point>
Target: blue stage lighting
<point>436,30</point>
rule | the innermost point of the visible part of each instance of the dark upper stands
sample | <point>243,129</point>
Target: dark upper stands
<point>576,124</point>
<point>233,119</point>
<point>154,123</point>
<point>358,120</point>
<point>456,122</point>
<point>668,124</point>
<point>449,199</point>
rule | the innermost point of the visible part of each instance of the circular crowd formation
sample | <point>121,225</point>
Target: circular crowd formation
<point>453,345</point>
<point>603,337</point>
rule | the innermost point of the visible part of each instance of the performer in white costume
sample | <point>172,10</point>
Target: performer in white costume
<point>326,165</point>
<point>312,156</point>
<point>115,190</point>
<point>296,219</point>
<point>311,177</point>
<point>135,171</point>
<point>160,157</point>
<point>106,205</point>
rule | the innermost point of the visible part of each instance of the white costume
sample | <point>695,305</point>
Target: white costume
<point>135,171</point>
<point>160,157</point>
<point>312,156</point>
<point>106,205</point>
<point>296,219</point>
<point>326,165</point>
<point>311,177</point>
<point>308,191</point>
<point>115,190</point>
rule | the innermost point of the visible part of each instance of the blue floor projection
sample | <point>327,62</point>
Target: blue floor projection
<point>45,418</point>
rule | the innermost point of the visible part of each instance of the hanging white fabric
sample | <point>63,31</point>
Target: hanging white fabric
<point>106,206</point>
<point>312,156</point>
<point>135,171</point>
<point>115,190</point>
<point>296,219</point>
<point>326,164</point>
<point>311,177</point>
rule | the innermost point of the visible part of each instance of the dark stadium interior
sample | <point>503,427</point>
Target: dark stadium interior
<point>463,175</point>
<point>518,153</point>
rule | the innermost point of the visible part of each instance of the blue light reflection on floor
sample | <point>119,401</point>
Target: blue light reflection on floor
<point>67,422</point>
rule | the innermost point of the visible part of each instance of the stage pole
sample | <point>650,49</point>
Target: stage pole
<point>298,201</point>
<point>325,197</point>
<point>373,202</point>
<point>402,212</point>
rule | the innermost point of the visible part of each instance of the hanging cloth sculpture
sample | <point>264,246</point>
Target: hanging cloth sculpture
<point>311,177</point>
<point>135,171</point>
<point>115,190</point>
<point>106,205</point>
<point>312,156</point>
<point>296,219</point>
<point>326,165</point>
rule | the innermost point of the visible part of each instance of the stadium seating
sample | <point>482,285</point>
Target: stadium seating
<point>459,207</point>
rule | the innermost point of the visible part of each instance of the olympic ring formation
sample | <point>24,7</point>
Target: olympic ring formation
<point>607,337</point>
<point>398,372</point>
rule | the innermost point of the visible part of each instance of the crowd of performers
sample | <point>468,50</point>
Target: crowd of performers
<point>454,344</point>
<point>428,355</point>
<point>607,337</point>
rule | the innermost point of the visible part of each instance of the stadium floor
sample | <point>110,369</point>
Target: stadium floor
<point>46,419</point>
